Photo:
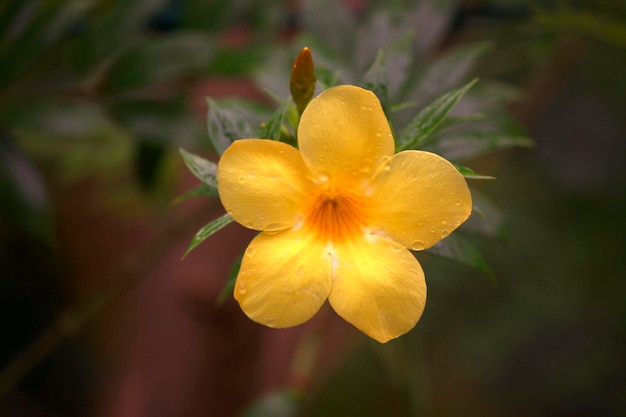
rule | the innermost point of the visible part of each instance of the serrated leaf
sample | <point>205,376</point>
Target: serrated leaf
<point>272,128</point>
<point>225,126</point>
<point>201,190</point>
<point>469,173</point>
<point>461,146</point>
<point>459,249</point>
<point>208,230</point>
<point>427,120</point>
<point>202,168</point>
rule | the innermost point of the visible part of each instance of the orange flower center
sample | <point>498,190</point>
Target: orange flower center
<point>336,217</point>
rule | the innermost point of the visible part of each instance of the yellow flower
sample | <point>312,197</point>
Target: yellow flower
<point>338,216</point>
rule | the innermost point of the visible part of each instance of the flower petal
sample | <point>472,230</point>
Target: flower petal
<point>344,136</point>
<point>284,279</point>
<point>263,184</point>
<point>420,199</point>
<point>378,286</point>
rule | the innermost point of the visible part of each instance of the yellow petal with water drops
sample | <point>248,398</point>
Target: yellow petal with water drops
<point>378,286</point>
<point>263,184</point>
<point>344,136</point>
<point>284,279</point>
<point>420,199</point>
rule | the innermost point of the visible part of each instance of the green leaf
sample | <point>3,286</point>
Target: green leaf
<point>469,173</point>
<point>203,169</point>
<point>229,287</point>
<point>459,249</point>
<point>384,30</point>
<point>112,30</point>
<point>272,128</point>
<point>326,78</point>
<point>201,190</point>
<point>167,122</point>
<point>30,30</point>
<point>464,145</point>
<point>376,79</point>
<point>331,22</point>
<point>488,221</point>
<point>225,126</point>
<point>209,229</point>
<point>155,60</point>
<point>427,120</point>
<point>447,71</point>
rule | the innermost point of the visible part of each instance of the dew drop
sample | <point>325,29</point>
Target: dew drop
<point>251,251</point>
<point>323,177</point>
<point>417,245</point>
<point>242,288</point>
<point>242,179</point>
<point>444,233</point>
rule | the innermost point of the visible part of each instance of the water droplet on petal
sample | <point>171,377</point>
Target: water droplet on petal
<point>417,245</point>
<point>242,179</point>
<point>251,251</point>
<point>323,177</point>
<point>444,233</point>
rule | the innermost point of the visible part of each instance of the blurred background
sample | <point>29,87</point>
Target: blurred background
<point>100,317</point>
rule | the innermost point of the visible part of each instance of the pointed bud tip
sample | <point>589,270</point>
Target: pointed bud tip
<point>302,82</point>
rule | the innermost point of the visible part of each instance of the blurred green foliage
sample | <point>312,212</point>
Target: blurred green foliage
<point>100,89</point>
